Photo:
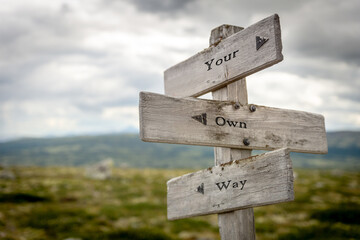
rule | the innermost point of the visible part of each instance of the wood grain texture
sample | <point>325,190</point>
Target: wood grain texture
<point>220,33</point>
<point>233,58</point>
<point>256,181</point>
<point>239,224</point>
<point>170,120</point>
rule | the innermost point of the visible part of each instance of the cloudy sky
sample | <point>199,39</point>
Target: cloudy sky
<point>76,67</point>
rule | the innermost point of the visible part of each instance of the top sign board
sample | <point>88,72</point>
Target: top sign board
<point>243,53</point>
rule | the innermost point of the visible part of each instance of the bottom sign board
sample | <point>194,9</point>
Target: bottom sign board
<point>251,182</point>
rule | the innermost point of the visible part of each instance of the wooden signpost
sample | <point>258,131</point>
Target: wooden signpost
<point>238,181</point>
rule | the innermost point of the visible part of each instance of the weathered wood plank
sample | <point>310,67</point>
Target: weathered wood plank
<point>226,124</point>
<point>248,51</point>
<point>256,181</point>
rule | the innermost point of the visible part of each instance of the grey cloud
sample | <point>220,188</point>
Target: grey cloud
<point>260,6</point>
<point>144,81</point>
<point>98,107</point>
<point>11,31</point>
<point>321,68</point>
<point>23,89</point>
<point>29,42</point>
<point>331,45</point>
<point>161,6</point>
<point>318,29</point>
<point>352,95</point>
<point>39,32</point>
<point>214,9</point>
<point>328,31</point>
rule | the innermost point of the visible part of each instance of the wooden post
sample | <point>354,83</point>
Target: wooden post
<point>238,224</point>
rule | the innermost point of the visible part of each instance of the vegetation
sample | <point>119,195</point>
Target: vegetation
<point>129,151</point>
<point>61,203</point>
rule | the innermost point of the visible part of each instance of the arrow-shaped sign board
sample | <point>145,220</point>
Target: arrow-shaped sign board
<point>243,53</point>
<point>226,124</point>
<point>256,181</point>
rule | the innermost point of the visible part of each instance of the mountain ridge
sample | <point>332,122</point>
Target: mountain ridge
<point>127,150</point>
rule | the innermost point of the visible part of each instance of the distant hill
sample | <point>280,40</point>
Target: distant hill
<point>343,152</point>
<point>127,150</point>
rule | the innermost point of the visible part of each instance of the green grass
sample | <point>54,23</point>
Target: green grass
<point>60,203</point>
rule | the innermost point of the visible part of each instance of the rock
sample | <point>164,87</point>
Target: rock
<point>7,174</point>
<point>101,170</point>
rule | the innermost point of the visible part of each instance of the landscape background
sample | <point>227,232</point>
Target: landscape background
<point>47,193</point>
<point>70,76</point>
<point>127,150</point>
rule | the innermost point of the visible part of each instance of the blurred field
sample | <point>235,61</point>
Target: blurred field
<point>61,203</point>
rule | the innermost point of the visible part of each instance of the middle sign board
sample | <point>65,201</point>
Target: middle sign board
<point>226,124</point>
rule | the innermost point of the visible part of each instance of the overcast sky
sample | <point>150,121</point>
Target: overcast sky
<point>76,67</point>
